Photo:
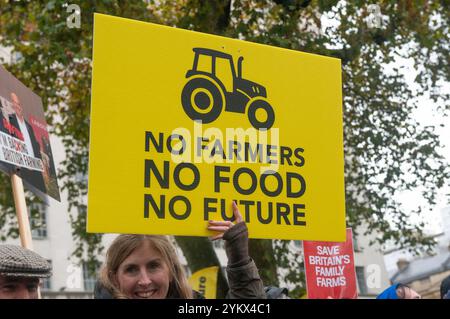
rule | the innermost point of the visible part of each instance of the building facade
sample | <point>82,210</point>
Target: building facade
<point>425,273</point>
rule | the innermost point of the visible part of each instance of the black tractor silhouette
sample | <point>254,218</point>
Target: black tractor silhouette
<point>214,82</point>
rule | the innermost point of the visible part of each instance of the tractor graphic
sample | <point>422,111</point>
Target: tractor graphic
<point>214,83</point>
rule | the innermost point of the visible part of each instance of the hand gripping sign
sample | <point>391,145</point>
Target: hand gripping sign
<point>330,269</point>
<point>182,123</point>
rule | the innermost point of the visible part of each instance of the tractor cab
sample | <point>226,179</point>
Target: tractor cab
<point>220,67</point>
<point>217,65</point>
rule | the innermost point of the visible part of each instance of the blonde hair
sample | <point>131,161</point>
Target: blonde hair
<point>124,245</point>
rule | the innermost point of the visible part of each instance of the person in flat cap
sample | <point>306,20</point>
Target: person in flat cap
<point>20,272</point>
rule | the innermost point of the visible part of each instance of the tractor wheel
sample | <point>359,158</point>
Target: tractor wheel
<point>202,100</point>
<point>270,115</point>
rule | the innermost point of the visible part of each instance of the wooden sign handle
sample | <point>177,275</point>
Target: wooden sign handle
<point>22,215</point>
<point>21,212</point>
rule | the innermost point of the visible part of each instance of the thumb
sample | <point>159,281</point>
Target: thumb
<point>237,215</point>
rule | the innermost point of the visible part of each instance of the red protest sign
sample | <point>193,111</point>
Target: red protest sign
<point>330,269</point>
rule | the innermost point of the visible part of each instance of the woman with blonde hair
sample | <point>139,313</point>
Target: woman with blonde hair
<point>147,266</point>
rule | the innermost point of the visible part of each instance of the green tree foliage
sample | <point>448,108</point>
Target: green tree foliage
<point>386,150</point>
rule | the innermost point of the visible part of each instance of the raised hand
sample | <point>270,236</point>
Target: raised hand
<point>223,226</point>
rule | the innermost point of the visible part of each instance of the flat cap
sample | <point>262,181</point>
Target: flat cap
<point>16,261</point>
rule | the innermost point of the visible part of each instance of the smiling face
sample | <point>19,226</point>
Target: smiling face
<point>144,274</point>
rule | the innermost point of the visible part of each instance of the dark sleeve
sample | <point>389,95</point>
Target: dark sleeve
<point>2,125</point>
<point>13,121</point>
<point>34,142</point>
<point>243,276</point>
<point>245,282</point>
<point>100,292</point>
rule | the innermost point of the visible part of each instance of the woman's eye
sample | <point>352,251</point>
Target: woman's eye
<point>131,270</point>
<point>154,265</point>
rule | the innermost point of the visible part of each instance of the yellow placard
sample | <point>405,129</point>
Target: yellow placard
<point>182,123</point>
<point>205,282</point>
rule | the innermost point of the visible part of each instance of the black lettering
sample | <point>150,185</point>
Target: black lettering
<point>186,213</point>
<point>169,144</point>
<point>285,155</point>
<point>158,209</point>
<point>283,211</point>
<point>234,147</point>
<point>298,214</point>
<point>202,285</point>
<point>194,170</point>
<point>269,213</point>
<point>150,166</point>
<point>247,204</point>
<point>218,149</point>
<point>270,154</point>
<point>208,209</point>
<point>239,172</point>
<point>263,186</point>
<point>157,145</point>
<point>223,210</point>
<point>200,145</point>
<point>218,179</point>
<point>301,191</point>
<point>299,157</point>
<point>253,154</point>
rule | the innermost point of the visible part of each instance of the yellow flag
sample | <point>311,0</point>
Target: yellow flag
<point>205,281</point>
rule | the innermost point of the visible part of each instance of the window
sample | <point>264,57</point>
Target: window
<point>356,246</point>
<point>204,63</point>
<point>361,280</point>
<point>89,278</point>
<point>47,282</point>
<point>224,73</point>
<point>38,221</point>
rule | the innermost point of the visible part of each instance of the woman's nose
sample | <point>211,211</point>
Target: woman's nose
<point>144,278</point>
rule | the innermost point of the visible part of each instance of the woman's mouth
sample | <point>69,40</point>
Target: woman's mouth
<point>145,294</point>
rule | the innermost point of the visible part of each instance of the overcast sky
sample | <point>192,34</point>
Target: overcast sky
<point>427,115</point>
